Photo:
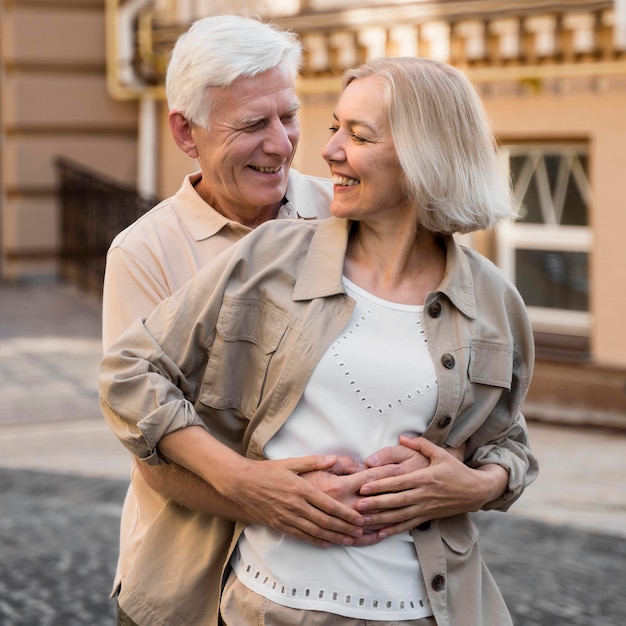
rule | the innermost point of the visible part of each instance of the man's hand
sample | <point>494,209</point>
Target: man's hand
<point>317,505</point>
<point>273,493</point>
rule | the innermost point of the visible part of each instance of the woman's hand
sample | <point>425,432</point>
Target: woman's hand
<point>443,488</point>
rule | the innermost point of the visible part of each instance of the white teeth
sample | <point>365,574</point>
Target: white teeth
<point>347,182</point>
<point>266,170</point>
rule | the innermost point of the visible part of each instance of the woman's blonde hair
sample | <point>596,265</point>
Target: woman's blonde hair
<point>444,143</point>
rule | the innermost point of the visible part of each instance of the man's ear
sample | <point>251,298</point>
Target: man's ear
<point>181,131</point>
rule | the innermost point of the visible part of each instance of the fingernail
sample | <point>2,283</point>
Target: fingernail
<point>372,460</point>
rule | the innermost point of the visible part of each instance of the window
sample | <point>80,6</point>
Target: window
<point>546,252</point>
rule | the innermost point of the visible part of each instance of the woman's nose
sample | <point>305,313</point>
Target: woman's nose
<point>332,150</point>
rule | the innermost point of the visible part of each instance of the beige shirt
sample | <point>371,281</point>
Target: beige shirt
<point>268,310</point>
<point>163,249</point>
<point>149,261</point>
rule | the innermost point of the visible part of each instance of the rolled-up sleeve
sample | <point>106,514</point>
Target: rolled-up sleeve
<point>511,449</point>
<point>144,395</point>
<point>149,378</point>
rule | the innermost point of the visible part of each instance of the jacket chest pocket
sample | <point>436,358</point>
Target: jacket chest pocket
<point>247,336</point>
<point>489,376</point>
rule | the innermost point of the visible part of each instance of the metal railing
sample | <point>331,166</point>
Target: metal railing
<point>93,210</point>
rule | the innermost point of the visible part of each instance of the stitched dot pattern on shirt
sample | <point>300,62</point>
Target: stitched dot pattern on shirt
<point>358,388</point>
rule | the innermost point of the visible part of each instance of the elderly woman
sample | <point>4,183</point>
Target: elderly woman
<point>347,337</point>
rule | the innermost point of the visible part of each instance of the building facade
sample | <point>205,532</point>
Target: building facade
<point>552,77</point>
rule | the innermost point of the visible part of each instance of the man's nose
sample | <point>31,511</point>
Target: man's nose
<point>278,140</point>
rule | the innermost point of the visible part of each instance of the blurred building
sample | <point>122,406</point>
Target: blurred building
<point>82,79</point>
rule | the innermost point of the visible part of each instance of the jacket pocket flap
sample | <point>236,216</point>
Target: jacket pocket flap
<point>253,322</point>
<point>491,364</point>
<point>458,532</point>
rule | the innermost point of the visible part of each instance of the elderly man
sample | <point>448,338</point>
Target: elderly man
<point>233,107</point>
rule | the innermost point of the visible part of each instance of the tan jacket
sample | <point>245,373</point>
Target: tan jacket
<point>242,339</point>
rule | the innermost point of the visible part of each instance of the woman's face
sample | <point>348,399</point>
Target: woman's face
<point>361,155</point>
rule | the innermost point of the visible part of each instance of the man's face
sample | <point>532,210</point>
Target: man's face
<point>246,154</point>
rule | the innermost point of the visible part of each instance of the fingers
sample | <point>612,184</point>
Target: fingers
<point>421,445</point>
<point>346,465</point>
<point>390,454</point>
<point>311,463</point>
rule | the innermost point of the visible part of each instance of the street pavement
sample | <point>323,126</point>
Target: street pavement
<point>559,555</point>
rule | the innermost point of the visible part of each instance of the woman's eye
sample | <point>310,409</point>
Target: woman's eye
<point>333,129</point>
<point>358,138</point>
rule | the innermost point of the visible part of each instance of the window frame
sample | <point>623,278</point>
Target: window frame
<point>513,235</point>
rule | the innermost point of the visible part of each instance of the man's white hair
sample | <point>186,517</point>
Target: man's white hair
<point>217,50</point>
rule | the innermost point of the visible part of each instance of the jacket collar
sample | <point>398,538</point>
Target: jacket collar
<point>458,281</point>
<point>322,270</point>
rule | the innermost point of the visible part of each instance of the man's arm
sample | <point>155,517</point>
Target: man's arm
<point>271,493</point>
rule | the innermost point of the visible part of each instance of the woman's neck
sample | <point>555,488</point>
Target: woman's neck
<point>401,266</point>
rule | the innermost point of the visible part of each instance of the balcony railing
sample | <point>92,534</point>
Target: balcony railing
<point>94,209</point>
<point>490,40</point>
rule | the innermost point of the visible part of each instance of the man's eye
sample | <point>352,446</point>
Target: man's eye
<point>255,126</point>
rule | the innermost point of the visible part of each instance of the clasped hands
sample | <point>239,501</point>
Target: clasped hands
<point>326,500</point>
<point>396,488</point>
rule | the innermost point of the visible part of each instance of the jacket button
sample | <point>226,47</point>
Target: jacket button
<point>435,309</point>
<point>444,422</point>
<point>448,361</point>
<point>438,582</point>
<point>423,526</point>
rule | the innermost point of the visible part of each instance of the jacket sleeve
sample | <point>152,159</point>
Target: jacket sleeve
<point>510,449</point>
<point>150,376</point>
<point>509,446</point>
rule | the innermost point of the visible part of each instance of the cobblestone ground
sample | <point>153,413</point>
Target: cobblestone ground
<point>58,547</point>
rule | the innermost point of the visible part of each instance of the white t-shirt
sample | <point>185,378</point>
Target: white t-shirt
<point>375,382</point>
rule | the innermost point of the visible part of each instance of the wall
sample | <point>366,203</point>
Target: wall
<point>53,103</point>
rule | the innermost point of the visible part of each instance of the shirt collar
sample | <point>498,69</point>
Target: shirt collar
<point>200,218</point>
<point>203,221</point>
<point>299,187</point>
<point>322,269</point>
